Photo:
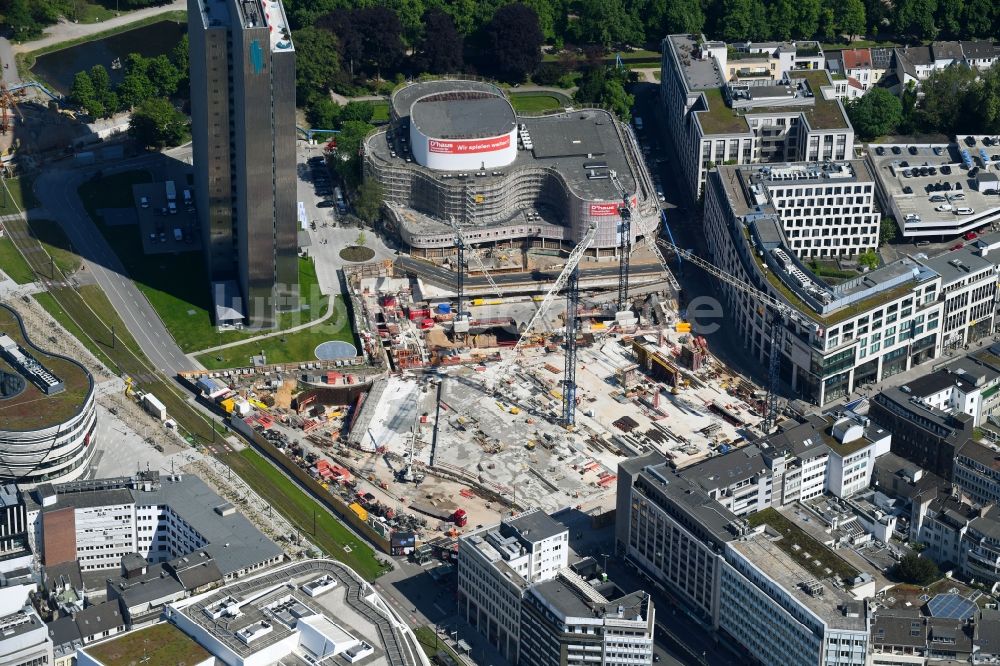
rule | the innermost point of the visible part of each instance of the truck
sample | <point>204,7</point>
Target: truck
<point>154,406</point>
<point>171,191</point>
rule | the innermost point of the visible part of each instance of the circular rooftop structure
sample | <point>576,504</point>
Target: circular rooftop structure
<point>457,125</point>
<point>47,410</point>
<point>333,350</point>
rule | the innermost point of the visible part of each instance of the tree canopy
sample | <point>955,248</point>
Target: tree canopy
<point>917,570</point>
<point>512,42</point>
<point>877,113</point>
<point>155,123</point>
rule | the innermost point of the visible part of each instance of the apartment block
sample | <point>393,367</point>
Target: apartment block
<point>743,104</point>
<point>243,136</point>
<point>924,435</point>
<point>848,332</point>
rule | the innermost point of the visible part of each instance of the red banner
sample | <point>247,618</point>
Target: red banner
<point>607,209</point>
<point>469,146</point>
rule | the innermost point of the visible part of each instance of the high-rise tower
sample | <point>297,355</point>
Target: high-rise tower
<point>243,131</point>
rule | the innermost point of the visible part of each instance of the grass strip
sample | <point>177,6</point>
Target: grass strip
<point>304,512</point>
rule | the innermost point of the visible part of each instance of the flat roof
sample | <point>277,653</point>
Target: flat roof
<point>403,97</point>
<point>462,115</point>
<point>956,265</point>
<point>559,141</point>
<point>698,74</point>
<point>725,470</point>
<point>535,525</point>
<point>159,645</point>
<point>891,169</point>
<point>32,409</point>
<point>779,567</point>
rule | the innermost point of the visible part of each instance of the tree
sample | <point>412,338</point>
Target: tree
<point>135,89</point>
<point>807,18</point>
<point>741,20</point>
<point>887,230</point>
<point>877,113</point>
<point>512,42</point>
<point>440,49</point>
<point>317,64</point>
<point>850,16</point>
<point>368,202</point>
<point>917,570</point>
<point>948,17</point>
<point>916,18</point>
<point>869,259</point>
<point>606,23</point>
<point>361,111</point>
<point>347,162</point>
<point>978,18</point>
<point>324,113</point>
<point>947,106</point>
<point>361,239</point>
<point>157,124</point>
<point>782,15</point>
<point>163,75</point>
<point>82,91</point>
<point>605,86</point>
<point>370,39</point>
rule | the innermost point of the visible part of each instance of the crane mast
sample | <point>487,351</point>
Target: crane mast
<point>572,262</point>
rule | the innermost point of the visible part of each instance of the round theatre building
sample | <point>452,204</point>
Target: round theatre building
<point>457,150</point>
<point>47,410</point>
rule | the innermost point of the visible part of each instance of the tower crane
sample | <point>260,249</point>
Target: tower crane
<point>463,244</point>
<point>569,277</point>
<point>626,211</point>
<point>776,311</point>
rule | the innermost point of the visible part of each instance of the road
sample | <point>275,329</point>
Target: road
<point>57,188</point>
<point>65,30</point>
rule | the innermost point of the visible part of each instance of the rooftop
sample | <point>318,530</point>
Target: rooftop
<point>801,550</point>
<point>778,565</point>
<point>726,470</point>
<point>159,645</point>
<point>563,142</point>
<point>909,174</point>
<point>32,409</point>
<point>462,115</point>
<point>535,525</point>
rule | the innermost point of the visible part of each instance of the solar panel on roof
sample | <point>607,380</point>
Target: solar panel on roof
<point>953,606</point>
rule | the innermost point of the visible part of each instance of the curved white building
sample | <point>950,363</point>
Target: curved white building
<point>47,410</point>
<point>456,149</point>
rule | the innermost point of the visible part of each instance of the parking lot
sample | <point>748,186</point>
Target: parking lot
<point>939,193</point>
<point>163,231</point>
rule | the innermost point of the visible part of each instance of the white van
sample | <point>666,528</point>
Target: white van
<point>965,211</point>
<point>144,202</point>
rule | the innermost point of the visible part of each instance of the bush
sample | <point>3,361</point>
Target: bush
<point>547,74</point>
<point>917,570</point>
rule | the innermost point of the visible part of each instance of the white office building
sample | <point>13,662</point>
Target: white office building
<point>24,638</point>
<point>496,566</point>
<point>779,611</point>
<point>743,105</point>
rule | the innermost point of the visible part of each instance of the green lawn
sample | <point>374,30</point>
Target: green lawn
<point>17,191</point>
<point>48,302</point>
<point>534,103</point>
<point>54,240</point>
<point>297,346</point>
<point>177,285</point>
<point>381,112</point>
<point>158,645</point>
<point>431,644</point>
<point>298,507</point>
<point>13,264</point>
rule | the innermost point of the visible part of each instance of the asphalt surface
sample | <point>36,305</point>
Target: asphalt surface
<point>57,188</point>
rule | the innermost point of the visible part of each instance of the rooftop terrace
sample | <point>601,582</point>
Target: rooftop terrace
<point>159,645</point>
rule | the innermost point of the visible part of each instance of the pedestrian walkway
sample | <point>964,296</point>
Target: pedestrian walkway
<point>316,322</point>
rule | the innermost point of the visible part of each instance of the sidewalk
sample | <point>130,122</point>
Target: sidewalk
<point>64,30</point>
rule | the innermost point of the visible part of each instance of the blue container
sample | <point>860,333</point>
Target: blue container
<point>444,308</point>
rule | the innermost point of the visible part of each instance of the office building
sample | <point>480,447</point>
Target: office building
<point>496,566</point>
<point>306,612</point>
<point>722,111</point>
<point>24,640</point>
<point>243,134</point>
<point>48,413</point>
<point>847,332</point>
<point>14,550</point>
<point>922,434</point>
<point>98,522</point>
<point>976,472</point>
<point>566,620</point>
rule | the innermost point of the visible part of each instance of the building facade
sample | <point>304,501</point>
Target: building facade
<point>496,566</point>
<point>748,110</point>
<point>243,134</point>
<point>858,331</point>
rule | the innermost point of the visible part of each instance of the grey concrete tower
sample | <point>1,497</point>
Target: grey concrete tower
<point>243,131</point>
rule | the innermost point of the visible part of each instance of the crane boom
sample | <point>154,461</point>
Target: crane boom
<point>571,264</point>
<point>775,311</point>
<point>627,245</point>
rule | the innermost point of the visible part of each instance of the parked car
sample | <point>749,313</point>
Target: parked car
<point>965,211</point>
<point>922,243</point>
<point>970,235</point>
<point>938,198</point>
<point>958,246</point>
<point>944,208</point>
